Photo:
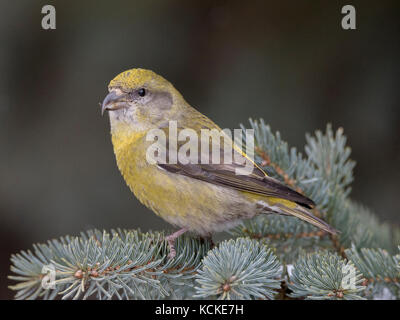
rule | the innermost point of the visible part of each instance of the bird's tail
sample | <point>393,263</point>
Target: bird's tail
<point>301,213</point>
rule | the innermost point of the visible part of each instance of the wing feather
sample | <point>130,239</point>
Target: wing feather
<point>257,182</point>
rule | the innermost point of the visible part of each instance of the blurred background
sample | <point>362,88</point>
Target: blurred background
<point>290,63</point>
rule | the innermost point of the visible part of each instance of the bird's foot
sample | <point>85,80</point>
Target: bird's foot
<point>209,239</point>
<point>171,242</point>
<point>212,244</point>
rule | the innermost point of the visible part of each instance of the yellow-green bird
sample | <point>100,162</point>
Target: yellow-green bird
<point>199,197</point>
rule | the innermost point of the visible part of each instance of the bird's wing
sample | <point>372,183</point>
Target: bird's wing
<point>256,182</point>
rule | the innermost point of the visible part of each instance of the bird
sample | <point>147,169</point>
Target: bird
<point>199,197</point>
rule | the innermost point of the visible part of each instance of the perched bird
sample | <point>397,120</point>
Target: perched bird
<point>202,198</point>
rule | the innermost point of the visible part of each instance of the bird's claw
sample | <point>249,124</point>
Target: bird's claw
<point>172,251</point>
<point>171,241</point>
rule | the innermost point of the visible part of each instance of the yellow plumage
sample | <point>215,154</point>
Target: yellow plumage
<point>198,198</point>
<point>180,200</point>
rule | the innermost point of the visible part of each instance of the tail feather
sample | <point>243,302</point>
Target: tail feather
<point>301,213</point>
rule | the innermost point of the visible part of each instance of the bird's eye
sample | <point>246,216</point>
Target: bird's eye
<point>141,92</point>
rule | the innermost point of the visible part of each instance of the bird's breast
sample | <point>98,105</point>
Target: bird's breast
<point>182,201</point>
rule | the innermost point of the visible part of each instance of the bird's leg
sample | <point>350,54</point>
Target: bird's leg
<point>171,241</point>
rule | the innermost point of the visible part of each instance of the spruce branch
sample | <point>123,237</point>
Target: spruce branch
<point>379,268</point>
<point>239,269</point>
<point>125,264</point>
<point>361,228</point>
<point>325,176</point>
<point>321,275</point>
<point>287,235</point>
<point>129,264</point>
<point>376,264</point>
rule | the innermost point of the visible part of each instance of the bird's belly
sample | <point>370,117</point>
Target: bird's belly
<point>200,206</point>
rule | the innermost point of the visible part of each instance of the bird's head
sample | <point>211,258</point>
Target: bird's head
<point>140,99</point>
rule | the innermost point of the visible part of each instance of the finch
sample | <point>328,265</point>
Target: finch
<point>196,196</point>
